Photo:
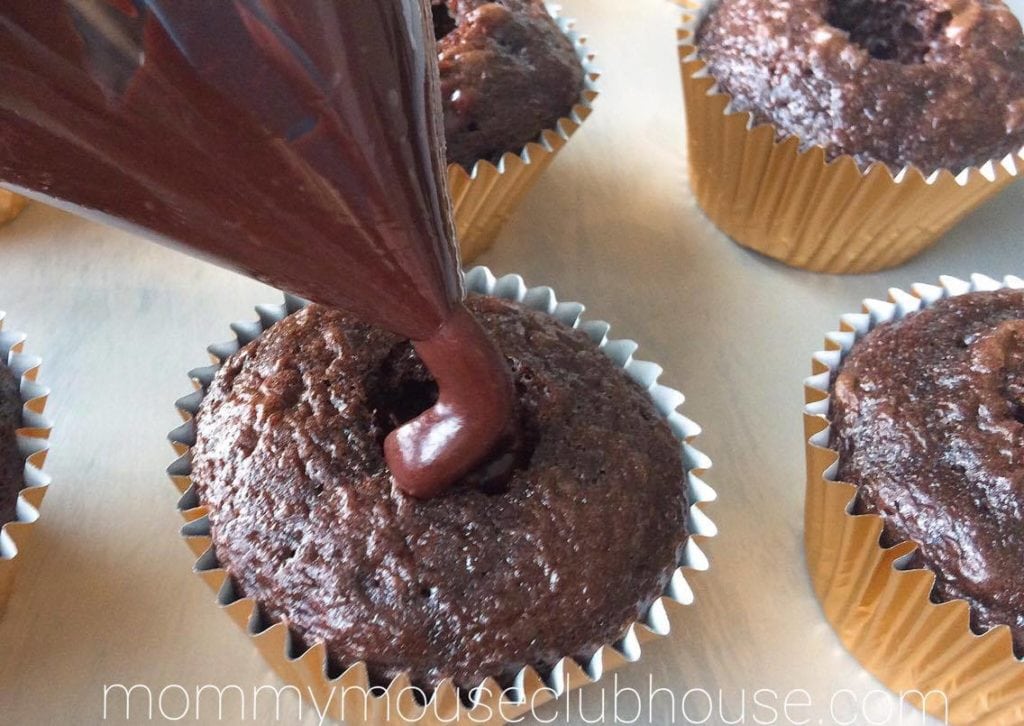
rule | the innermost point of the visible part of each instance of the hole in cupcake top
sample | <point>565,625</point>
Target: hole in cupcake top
<point>401,401</point>
<point>903,31</point>
<point>444,23</point>
<point>400,389</point>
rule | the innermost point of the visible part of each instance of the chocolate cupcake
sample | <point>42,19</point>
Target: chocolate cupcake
<point>924,424</point>
<point>847,135</point>
<point>516,83</point>
<point>507,73</point>
<point>23,446</point>
<point>928,419</point>
<point>503,583</point>
<point>938,84</point>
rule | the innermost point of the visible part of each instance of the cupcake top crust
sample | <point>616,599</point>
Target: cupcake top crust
<point>473,583</point>
<point>507,73</point>
<point>12,464</point>
<point>934,83</point>
<point>928,419</point>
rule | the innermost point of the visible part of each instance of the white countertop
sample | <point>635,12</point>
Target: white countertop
<point>106,595</point>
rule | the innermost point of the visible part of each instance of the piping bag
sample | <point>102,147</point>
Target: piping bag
<point>296,141</point>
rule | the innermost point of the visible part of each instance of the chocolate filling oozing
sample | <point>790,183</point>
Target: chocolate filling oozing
<point>479,581</point>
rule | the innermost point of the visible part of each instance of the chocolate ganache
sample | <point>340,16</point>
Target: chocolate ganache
<point>299,142</point>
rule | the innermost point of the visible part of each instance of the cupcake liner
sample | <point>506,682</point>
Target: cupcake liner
<point>878,605</point>
<point>307,668</point>
<point>11,205</point>
<point>788,202</point>
<point>484,197</point>
<point>33,445</point>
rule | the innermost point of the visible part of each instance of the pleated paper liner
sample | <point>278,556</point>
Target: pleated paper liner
<point>880,607</point>
<point>395,704</point>
<point>33,445</point>
<point>11,205</point>
<point>484,197</point>
<point>789,203</point>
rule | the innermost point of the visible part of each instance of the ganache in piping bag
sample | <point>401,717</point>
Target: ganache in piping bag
<point>297,141</point>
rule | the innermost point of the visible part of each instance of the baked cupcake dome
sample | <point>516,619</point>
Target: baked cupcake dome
<point>469,585</point>
<point>938,84</point>
<point>508,72</point>
<point>927,418</point>
<point>875,592</point>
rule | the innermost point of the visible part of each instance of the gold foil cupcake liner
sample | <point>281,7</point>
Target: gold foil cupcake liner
<point>881,608</point>
<point>784,200</point>
<point>33,446</point>
<point>484,197</point>
<point>307,668</point>
<point>11,205</point>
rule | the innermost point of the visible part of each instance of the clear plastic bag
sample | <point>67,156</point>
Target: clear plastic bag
<point>298,141</point>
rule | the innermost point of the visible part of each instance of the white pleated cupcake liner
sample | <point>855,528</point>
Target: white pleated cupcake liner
<point>878,603</point>
<point>33,445</point>
<point>308,667</point>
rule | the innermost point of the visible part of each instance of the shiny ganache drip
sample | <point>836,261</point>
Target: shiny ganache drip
<point>298,142</point>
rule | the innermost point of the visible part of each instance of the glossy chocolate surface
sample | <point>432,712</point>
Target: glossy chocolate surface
<point>297,142</point>
<point>928,419</point>
<point>434,448</point>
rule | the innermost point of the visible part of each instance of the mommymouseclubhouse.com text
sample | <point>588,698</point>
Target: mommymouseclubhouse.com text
<point>608,702</point>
